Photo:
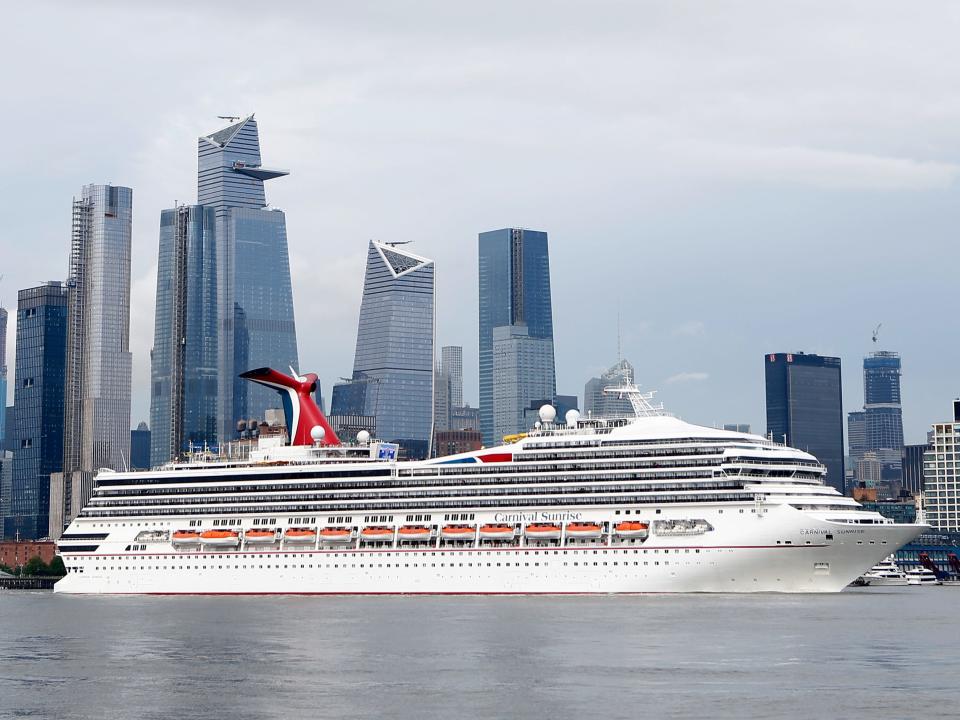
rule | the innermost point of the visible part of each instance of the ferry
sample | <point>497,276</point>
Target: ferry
<point>643,504</point>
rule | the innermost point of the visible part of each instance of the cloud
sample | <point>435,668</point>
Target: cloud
<point>691,328</point>
<point>685,377</point>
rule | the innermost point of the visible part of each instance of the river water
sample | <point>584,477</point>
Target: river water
<point>869,653</point>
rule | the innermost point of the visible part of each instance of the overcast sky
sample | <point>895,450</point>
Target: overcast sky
<point>738,178</point>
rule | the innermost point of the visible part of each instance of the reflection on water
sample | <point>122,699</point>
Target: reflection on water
<point>866,653</point>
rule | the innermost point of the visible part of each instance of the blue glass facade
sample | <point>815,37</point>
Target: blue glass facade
<point>514,289</point>
<point>224,299</point>
<point>393,365</point>
<point>3,375</point>
<point>883,413</point>
<point>805,408</point>
<point>39,407</point>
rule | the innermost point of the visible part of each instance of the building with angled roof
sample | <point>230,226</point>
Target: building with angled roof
<point>393,367</point>
<point>224,298</point>
<point>597,403</point>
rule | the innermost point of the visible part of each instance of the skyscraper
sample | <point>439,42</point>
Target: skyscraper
<point>857,435</point>
<point>3,374</point>
<point>224,298</point>
<point>39,380</point>
<point>597,403</point>
<point>883,413</point>
<point>451,362</point>
<point>805,408</point>
<point>523,370</point>
<point>514,290</point>
<point>99,363</point>
<point>941,466</point>
<point>394,362</point>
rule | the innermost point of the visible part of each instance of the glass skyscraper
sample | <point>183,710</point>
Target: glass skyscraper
<point>3,375</point>
<point>523,372</point>
<point>224,298</point>
<point>514,285</point>
<point>805,408</point>
<point>883,412</point>
<point>39,379</point>
<point>394,362</point>
<point>597,403</point>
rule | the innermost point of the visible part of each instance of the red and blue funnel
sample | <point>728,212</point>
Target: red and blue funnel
<point>299,407</point>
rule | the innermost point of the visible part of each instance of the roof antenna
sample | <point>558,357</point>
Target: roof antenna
<point>619,351</point>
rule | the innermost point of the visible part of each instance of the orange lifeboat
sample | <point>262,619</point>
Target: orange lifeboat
<point>458,532</point>
<point>377,533</point>
<point>220,538</point>
<point>300,536</point>
<point>260,536</point>
<point>414,533</point>
<point>631,529</point>
<point>495,531</point>
<point>186,537</point>
<point>335,535</point>
<point>542,531</point>
<point>584,530</point>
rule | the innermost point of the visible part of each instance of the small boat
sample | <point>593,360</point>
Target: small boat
<point>186,537</point>
<point>492,531</point>
<point>220,538</point>
<point>336,535</point>
<point>458,532</point>
<point>584,530</point>
<point>542,531</point>
<point>376,533</point>
<point>414,533</point>
<point>631,529</point>
<point>259,536</point>
<point>885,574</point>
<point>300,536</point>
<point>921,576</point>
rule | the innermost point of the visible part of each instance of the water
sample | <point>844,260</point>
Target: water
<point>860,654</point>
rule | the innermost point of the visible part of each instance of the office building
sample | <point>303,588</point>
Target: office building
<point>99,364</point>
<point>442,392</point>
<point>140,447</point>
<point>522,372</point>
<point>453,442</point>
<point>805,408</point>
<point>465,418</point>
<point>883,413</point>
<point>6,485</point>
<point>941,467</point>
<point>393,366</point>
<point>514,290</point>
<point>3,374</point>
<point>597,403</point>
<point>451,362</point>
<point>10,428</point>
<point>39,379</point>
<point>737,427</point>
<point>561,403</point>
<point>857,436</point>
<point>913,467</point>
<point>224,299</point>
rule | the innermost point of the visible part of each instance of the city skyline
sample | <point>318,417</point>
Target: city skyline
<point>697,196</point>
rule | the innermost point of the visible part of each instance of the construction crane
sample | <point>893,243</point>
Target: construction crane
<point>876,332</point>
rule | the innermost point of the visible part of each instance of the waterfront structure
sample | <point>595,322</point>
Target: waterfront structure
<point>140,447</point>
<point>737,427</point>
<point>40,376</point>
<point>514,290</point>
<point>393,368</point>
<point>941,468</point>
<point>451,362</point>
<point>15,553</point>
<point>523,371</point>
<point>698,510</point>
<point>805,408</point>
<point>913,467</point>
<point>224,298</point>
<point>597,403</point>
<point>99,364</point>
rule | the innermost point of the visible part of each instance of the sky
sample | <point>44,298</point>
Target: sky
<point>731,178</point>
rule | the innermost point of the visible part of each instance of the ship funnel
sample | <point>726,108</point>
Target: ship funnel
<point>299,409</point>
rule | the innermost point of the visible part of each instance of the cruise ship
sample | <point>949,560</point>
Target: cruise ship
<point>646,504</point>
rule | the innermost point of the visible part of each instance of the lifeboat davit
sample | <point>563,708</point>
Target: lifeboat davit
<point>300,536</point>
<point>542,531</point>
<point>220,538</point>
<point>584,530</point>
<point>497,532</point>
<point>413,533</point>
<point>186,537</point>
<point>458,532</point>
<point>260,537</point>
<point>377,534</point>
<point>631,529</point>
<point>335,535</point>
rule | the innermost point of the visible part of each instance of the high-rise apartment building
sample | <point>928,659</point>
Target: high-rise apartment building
<point>451,362</point>
<point>393,366</point>
<point>597,403</point>
<point>514,290</point>
<point>224,298</point>
<point>40,376</point>
<point>523,371</point>
<point>941,468</point>
<point>805,408</point>
<point>99,364</point>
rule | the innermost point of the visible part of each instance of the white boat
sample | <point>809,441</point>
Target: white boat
<point>885,574</point>
<point>727,512</point>
<point>921,576</point>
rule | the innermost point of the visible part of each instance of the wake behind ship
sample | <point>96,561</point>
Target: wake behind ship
<point>624,505</point>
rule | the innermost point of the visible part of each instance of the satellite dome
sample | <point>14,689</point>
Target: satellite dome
<point>571,417</point>
<point>548,413</point>
<point>363,437</point>
<point>317,432</point>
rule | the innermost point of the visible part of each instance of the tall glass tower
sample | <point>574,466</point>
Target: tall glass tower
<point>224,298</point>
<point>805,408</point>
<point>3,376</point>
<point>883,412</point>
<point>514,283</point>
<point>394,362</point>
